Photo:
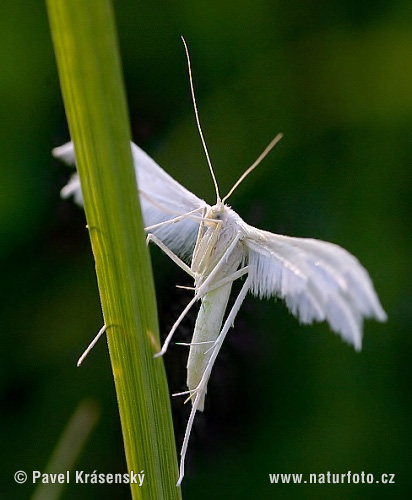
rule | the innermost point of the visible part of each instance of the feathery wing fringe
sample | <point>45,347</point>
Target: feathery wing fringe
<point>318,281</point>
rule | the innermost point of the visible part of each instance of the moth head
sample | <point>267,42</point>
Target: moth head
<point>217,212</point>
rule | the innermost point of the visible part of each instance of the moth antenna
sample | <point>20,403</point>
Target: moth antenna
<point>199,128</point>
<point>264,153</point>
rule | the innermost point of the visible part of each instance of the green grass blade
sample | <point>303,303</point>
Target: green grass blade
<point>87,56</point>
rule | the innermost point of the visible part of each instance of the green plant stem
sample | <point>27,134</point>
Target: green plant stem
<point>87,56</point>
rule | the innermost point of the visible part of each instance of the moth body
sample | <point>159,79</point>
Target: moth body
<point>213,242</point>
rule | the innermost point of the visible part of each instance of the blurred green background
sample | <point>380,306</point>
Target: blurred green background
<point>336,78</point>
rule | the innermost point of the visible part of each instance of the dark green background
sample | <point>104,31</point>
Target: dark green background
<point>336,78</point>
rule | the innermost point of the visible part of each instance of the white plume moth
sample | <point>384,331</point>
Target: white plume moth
<point>318,281</point>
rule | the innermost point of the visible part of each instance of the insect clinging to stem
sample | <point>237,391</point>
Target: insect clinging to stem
<point>319,281</point>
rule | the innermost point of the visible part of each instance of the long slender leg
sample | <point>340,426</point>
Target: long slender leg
<point>225,256</point>
<point>228,279</point>
<point>206,374</point>
<point>183,266</point>
<point>232,277</point>
<point>169,253</point>
<point>186,439</point>
<point>174,327</point>
<point>91,345</point>
<point>184,393</point>
<point>172,221</point>
<point>166,343</point>
<point>206,342</point>
<point>200,292</point>
<point>166,250</point>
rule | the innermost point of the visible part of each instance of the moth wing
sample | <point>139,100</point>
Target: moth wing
<point>161,198</point>
<point>318,281</point>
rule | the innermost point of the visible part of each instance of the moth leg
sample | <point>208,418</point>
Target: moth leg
<point>176,324</point>
<point>232,277</point>
<point>201,293</point>
<point>185,267</point>
<point>228,324</point>
<point>186,439</point>
<point>169,253</point>
<point>225,256</point>
<point>166,343</point>
<point>205,377</point>
<point>184,393</point>
<point>175,219</point>
<point>195,343</point>
<point>91,345</point>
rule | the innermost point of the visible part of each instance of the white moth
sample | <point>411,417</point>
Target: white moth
<point>318,281</point>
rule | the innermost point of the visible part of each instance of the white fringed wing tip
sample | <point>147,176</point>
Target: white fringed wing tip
<point>66,154</point>
<point>318,281</point>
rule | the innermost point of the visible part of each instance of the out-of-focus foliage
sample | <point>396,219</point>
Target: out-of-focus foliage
<point>336,78</point>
